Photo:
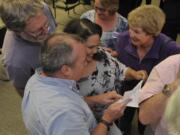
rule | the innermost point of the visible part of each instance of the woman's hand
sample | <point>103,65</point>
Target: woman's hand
<point>135,75</point>
<point>141,75</point>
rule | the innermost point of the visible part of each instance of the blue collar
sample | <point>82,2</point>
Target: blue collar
<point>65,83</point>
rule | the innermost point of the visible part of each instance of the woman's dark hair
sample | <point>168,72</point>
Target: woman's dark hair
<point>83,28</point>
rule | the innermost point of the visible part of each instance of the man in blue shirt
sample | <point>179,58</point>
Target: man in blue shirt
<point>51,103</point>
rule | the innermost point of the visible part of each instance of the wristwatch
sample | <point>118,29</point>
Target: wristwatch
<point>167,91</point>
<point>106,123</point>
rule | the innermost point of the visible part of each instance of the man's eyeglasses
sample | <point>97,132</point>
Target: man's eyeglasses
<point>100,9</point>
<point>45,28</point>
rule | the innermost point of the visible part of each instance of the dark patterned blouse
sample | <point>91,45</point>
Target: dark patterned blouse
<point>107,77</point>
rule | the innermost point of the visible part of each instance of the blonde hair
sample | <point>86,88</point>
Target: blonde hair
<point>148,17</point>
<point>15,13</point>
<point>172,113</point>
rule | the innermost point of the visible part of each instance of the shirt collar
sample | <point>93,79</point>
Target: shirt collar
<point>71,84</point>
<point>153,52</point>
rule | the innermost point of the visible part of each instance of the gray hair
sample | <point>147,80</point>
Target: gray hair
<point>15,13</point>
<point>57,51</point>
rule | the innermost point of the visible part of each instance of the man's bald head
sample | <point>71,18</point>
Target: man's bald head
<point>58,50</point>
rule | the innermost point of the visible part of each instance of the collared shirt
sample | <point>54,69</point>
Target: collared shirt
<point>21,57</point>
<point>53,106</point>
<point>162,48</point>
<point>164,73</point>
<point>107,38</point>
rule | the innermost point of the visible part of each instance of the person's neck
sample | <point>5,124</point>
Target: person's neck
<point>91,67</point>
<point>107,24</point>
<point>143,50</point>
<point>53,75</point>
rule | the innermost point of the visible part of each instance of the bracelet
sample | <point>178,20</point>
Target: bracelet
<point>106,123</point>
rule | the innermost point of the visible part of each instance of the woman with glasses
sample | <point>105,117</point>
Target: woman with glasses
<point>106,72</point>
<point>105,14</point>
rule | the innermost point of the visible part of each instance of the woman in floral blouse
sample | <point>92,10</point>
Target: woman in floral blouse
<point>106,73</point>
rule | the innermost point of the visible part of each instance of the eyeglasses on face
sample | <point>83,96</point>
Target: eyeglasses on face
<point>40,31</point>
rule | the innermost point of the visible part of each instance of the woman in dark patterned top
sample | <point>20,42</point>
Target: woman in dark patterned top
<point>104,73</point>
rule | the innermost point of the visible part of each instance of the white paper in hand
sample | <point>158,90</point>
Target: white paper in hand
<point>124,101</point>
<point>133,95</point>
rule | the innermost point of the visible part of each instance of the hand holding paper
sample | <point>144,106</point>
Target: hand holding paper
<point>133,95</point>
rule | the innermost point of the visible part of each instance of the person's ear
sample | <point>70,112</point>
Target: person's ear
<point>66,70</point>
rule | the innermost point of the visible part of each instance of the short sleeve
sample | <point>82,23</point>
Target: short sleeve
<point>121,71</point>
<point>165,72</point>
<point>119,68</point>
<point>89,15</point>
<point>153,86</point>
<point>122,24</point>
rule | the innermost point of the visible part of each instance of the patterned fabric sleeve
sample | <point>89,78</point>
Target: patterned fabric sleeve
<point>122,24</point>
<point>117,67</point>
<point>89,15</point>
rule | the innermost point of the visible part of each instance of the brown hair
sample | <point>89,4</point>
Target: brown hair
<point>110,4</point>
